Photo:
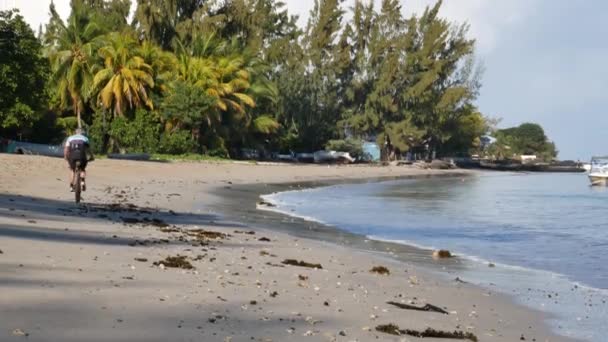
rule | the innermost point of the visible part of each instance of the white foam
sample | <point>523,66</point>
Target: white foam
<point>275,206</point>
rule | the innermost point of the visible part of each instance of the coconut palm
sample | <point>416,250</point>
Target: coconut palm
<point>163,64</point>
<point>124,79</point>
<point>71,48</point>
<point>233,83</point>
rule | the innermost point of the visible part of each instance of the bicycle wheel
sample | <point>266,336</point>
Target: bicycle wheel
<point>77,185</point>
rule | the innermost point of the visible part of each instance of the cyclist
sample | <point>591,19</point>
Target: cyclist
<point>76,148</point>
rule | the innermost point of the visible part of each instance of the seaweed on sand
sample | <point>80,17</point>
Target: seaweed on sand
<point>178,261</point>
<point>170,230</point>
<point>429,332</point>
<point>380,270</point>
<point>390,328</point>
<point>202,234</point>
<point>300,263</point>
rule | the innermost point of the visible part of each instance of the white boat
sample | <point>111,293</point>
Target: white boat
<point>598,174</point>
<point>333,157</point>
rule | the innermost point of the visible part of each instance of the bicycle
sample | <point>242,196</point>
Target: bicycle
<point>77,182</point>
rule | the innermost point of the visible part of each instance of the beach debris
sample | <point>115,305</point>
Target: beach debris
<point>266,204</point>
<point>427,307</point>
<point>148,242</point>
<point>19,332</point>
<point>393,329</point>
<point>156,222</point>
<point>216,317</point>
<point>380,270</point>
<point>1,252</point>
<point>130,220</point>
<point>273,294</point>
<point>302,277</point>
<point>141,259</point>
<point>178,261</point>
<point>202,234</point>
<point>490,264</point>
<point>170,230</point>
<point>264,239</point>
<point>251,232</point>
<point>390,328</point>
<point>458,280</point>
<point>442,254</point>
<point>274,265</point>
<point>301,263</point>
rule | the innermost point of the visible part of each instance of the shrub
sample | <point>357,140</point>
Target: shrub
<point>137,135</point>
<point>179,142</point>
<point>98,133</point>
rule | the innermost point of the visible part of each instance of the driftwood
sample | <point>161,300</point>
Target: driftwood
<point>294,262</point>
<point>427,307</point>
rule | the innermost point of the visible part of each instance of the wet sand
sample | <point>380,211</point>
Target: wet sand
<point>99,271</point>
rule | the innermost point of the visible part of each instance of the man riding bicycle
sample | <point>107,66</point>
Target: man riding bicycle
<point>76,149</point>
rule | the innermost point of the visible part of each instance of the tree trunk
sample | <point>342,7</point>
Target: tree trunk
<point>77,110</point>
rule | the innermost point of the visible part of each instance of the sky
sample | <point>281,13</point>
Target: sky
<point>546,61</point>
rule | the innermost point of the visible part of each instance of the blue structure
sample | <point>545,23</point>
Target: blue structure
<point>371,151</point>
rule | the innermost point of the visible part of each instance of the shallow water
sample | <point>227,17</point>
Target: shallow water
<point>546,233</point>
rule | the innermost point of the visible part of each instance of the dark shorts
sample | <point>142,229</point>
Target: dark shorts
<point>72,162</point>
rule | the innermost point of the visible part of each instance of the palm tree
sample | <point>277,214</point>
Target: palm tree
<point>163,63</point>
<point>71,47</point>
<point>232,85</point>
<point>124,79</point>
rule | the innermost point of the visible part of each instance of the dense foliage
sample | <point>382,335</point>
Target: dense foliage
<point>23,74</point>
<point>525,139</point>
<point>215,76</point>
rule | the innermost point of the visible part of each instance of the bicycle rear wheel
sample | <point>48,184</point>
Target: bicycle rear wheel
<point>77,185</point>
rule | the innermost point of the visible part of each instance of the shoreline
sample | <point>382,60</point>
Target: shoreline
<point>420,257</point>
<point>79,265</point>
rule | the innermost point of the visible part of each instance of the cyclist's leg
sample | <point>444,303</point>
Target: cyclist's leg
<point>72,174</point>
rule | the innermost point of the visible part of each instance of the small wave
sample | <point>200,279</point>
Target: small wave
<point>276,209</point>
<point>401,242</point>
<point>482,262</point>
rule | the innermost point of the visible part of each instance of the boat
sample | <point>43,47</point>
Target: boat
<point>500,165</point>
<point>598,175</point>
<point>20,147</point>
<point>333,157</point>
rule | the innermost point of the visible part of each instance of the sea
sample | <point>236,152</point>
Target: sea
<point>541,238</point>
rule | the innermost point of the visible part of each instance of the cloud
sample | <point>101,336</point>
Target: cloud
<point>487,19</point>
<point>36,12</point>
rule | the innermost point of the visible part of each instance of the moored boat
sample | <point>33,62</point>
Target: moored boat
<point>598,174</point>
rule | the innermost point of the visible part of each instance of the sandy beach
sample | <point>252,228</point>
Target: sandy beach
<point>99,271</point>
